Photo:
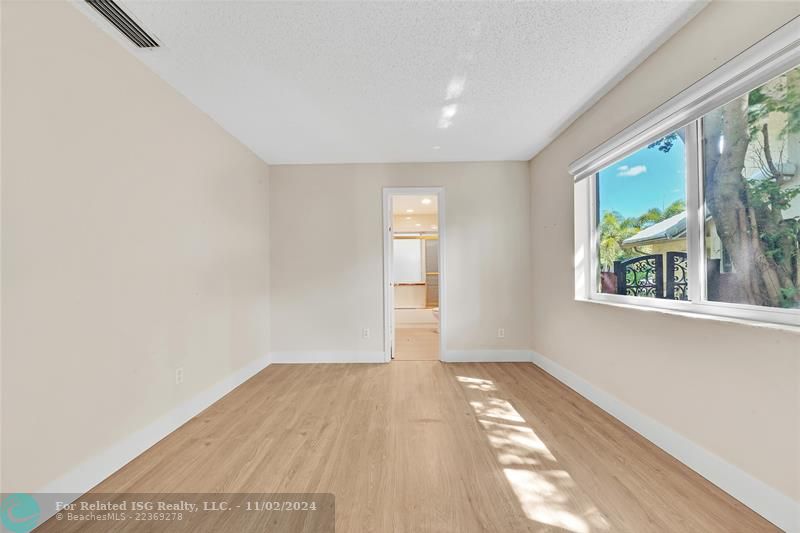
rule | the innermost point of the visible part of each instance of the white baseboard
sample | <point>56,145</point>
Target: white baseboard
<point>770,503</point>
<point>81,479</point>
<point>452,356</point>
<point>487,356</point>
<point>763,499</point>
<point>327,357</point>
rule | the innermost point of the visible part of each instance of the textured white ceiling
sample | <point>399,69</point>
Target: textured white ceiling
<point>335,82</point>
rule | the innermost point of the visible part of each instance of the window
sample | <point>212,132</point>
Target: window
<point>641,225</point>
<point>751,184</point>
<point>696,207</point>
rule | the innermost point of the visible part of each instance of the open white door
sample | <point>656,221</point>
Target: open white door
<point>389,193</point>
<point>388,277</point>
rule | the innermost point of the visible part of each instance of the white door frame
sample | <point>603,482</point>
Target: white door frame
<point>388,289</point>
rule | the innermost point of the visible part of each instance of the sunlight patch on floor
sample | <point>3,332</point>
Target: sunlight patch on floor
<point>542,501</point>
<point>498,409</point>
<point>515,443</point>
<point>475,383</point>
<point>541,487</point>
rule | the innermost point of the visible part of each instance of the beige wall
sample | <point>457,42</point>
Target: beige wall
<point>327,253</point>
<point>409,296</point>
<point>731,388</point>
<point>135,241</point>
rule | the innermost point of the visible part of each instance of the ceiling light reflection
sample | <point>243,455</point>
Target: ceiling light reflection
<point>446,117</point>
<point>455,88</point>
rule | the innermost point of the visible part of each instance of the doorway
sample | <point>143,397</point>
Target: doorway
<point>413,273</point>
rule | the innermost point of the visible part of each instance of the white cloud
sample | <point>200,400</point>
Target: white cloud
<point>625,170</point>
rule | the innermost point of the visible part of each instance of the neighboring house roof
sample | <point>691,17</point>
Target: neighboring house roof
<point>673,227</point>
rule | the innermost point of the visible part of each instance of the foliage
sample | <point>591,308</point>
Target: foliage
<point>766,196</point>
<point>749,211</point>
<point>614,229</point>
<point>664,144</point>
<point>783,97</point>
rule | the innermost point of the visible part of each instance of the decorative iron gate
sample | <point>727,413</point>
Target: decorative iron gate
<point>678,276</point>
<point>640,276</point>
<point>644,276</point>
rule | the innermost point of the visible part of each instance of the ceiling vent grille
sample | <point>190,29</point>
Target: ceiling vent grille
<point>123,22</point>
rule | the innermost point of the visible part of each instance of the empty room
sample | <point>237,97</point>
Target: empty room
<point>395,266</point>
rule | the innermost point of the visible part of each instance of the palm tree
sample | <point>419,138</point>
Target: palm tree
<point>614,229</point>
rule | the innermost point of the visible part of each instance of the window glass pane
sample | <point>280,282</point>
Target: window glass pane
<point>641,210</point>
<point>751,154</point>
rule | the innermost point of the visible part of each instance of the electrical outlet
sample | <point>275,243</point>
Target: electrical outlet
<point>178,376</point>
<point>501,333</point>
<point>365,333</point>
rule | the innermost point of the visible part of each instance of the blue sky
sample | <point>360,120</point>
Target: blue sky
<point>648,178</point>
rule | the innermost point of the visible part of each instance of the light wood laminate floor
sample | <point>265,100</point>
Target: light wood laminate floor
<point>433,447</point>
<point>416,343</point>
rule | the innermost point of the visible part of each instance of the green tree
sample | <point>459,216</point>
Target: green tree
<point>614,229</point>
<point>748,213</point>
<point>675,208</point>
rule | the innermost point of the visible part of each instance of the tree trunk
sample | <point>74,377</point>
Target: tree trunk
<point>727,200</point>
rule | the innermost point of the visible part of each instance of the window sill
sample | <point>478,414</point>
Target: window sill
<point>789,328</point>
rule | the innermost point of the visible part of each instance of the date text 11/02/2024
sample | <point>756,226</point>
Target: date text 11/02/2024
<point>185,506</point>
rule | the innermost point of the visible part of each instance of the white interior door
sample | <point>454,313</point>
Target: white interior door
<point>388,267</point>
<point>392,317</point>
<point>388,260</point>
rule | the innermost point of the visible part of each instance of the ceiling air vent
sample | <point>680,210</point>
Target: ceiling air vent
<point>123,22</point>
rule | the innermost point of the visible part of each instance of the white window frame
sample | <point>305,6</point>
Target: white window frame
<point>774,55</point>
